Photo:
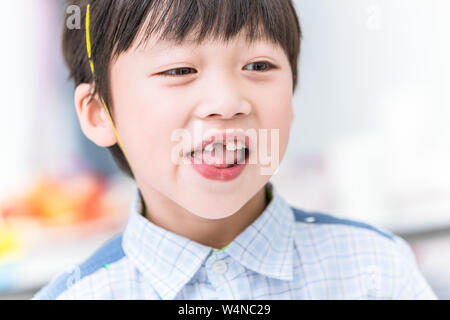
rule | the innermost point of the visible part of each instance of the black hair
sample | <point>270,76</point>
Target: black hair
<point>115,25</point>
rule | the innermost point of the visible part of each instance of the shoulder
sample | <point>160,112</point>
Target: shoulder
<point>324,236</point>
<point>320,219</point>
<point>109,253</point>
<point>362,251</point>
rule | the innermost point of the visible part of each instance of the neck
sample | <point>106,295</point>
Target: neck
<point>216,233</point>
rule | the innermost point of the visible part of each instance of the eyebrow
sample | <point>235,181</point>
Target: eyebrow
<point>163,45</point>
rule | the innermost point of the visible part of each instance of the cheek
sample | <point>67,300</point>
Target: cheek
<point>278,114</point>
<point>147,121</point>
<point>151,133</point>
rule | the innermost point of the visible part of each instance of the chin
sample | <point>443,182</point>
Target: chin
<point>215,212</point>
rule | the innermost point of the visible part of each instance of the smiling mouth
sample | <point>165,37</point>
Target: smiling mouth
<point>229,157</point>
<point>220,167</point>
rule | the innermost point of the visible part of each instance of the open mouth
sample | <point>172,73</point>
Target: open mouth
<point>222,156</point>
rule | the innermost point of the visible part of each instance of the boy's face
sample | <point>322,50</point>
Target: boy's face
<point>219,87</point>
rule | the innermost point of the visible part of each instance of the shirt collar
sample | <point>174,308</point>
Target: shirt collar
<point>266,246</point>
<point>169,260</point>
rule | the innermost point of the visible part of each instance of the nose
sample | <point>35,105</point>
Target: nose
<point>223,98</point>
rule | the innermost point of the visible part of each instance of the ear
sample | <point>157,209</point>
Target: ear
<point>93,117</point>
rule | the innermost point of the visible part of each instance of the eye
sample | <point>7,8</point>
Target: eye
<point>262,66</point>
<point>176,72</point>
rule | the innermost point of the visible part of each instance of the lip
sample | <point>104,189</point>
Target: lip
<point>208,140</point>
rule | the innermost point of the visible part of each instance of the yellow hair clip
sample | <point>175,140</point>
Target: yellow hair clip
<point>91,62</point>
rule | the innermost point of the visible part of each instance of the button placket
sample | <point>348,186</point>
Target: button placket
<point>216,268</point>
<point>219,266</point>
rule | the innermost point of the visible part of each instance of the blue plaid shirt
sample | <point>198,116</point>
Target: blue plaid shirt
<point>286,253</point>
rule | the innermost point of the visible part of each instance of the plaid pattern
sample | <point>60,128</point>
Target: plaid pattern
<point>286,253</point>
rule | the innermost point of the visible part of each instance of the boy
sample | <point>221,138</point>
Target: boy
<point>206,223</point>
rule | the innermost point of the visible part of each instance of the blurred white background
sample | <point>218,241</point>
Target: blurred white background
<point>370,139</point>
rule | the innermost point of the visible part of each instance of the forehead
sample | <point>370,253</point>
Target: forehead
<point>154,45</point>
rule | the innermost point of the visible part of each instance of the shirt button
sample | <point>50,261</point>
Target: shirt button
<point>310,219</point>
<point>219,266</point>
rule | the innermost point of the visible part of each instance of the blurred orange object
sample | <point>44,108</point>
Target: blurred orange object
<point>64,201</point>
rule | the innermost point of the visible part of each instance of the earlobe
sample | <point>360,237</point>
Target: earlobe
<point>93,118</point>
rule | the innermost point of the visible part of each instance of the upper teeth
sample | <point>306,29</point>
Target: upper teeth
<point>240,145</point>
<point>209,147</point>
<point>231,146</point>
